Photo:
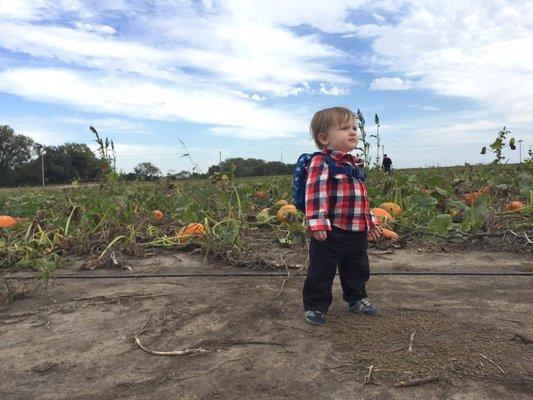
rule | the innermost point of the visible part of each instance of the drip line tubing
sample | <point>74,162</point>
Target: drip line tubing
<point>255,274</point>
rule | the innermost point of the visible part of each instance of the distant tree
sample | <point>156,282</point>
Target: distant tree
<point>15,152</point>
<point>83,160</point>
<point>252,167</point>
<point>147,171</point>
<point>130,176</point>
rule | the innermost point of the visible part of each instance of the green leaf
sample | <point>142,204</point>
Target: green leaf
<point>440,224</point>
<point>423,201</point>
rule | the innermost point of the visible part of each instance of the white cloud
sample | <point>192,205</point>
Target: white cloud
<point>333,90</point>
<point>479,49</point>
<point>139,99</point>
<point>234,51</point>
<point>365,31</point>
<point>31,10</point>
<point>390,84</point>
<point>98,28</point>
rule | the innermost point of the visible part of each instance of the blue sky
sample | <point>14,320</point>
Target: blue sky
<point>244,77</point>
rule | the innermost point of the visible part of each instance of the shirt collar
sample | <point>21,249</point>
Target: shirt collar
<point>340,155</point>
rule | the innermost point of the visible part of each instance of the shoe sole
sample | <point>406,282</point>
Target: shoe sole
<point>313,322</point>
<point>362,313</point>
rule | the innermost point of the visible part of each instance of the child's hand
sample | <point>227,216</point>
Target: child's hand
<point>374,233</point>
<point>319,235</point>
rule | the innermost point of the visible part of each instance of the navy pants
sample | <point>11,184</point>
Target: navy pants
<point>348,251</point>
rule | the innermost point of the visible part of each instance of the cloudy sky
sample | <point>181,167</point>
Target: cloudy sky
<point>242,78</point>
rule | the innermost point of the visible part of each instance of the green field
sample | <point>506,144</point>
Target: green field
<point>114,218</point>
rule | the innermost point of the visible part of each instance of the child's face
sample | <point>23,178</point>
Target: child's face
<point>342,137</point>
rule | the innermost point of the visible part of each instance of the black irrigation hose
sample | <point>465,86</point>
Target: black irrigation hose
<point>251,274</point>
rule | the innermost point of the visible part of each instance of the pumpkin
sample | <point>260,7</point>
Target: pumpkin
<point>282,203</point>
<point>286,213</point>
<point>7,221</point>
<point>487,189</point>
<point>471,198</point>
<point>381,216</point>
<point>456,214</point>
<point>194,229</point>
<point>260,195</point>
<point>392,208</point>
<point>389,234</point>
<point>512,206</point>
<point>158,215</point>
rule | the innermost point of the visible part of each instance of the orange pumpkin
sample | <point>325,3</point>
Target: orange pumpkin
<point>7,221</point>
<point>389,234</point>
<point>382,216</point>
<point>192,230</point>
<point>282,203</point>
<point>286,213</point>
<point>158,215</point>
<point>471,198</point>
<point>392,208</point>
<point>260,195</point>
<point>512,206</point>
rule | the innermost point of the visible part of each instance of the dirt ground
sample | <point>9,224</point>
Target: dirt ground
<point>76,341</point>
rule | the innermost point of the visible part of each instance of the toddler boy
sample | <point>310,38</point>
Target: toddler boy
<point>337,210</point>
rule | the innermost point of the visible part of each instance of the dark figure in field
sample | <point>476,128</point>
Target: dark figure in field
<point>387,162</point>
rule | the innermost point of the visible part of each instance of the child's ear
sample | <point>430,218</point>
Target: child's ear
<point>323,138</point>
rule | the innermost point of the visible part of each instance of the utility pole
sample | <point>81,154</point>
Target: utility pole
<point>42,164</point>
<point>220,160</point>
<point>282,158</point>
<point>520,149</point>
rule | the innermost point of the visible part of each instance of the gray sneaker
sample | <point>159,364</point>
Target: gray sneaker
<point>364,306</point>
<point>315,317</point>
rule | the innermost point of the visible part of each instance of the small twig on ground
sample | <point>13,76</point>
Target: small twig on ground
<point>169,353</point>
<point>492,362</point>
<point>46,322</point>
<point>286,279</point>
<point>418,381</point>
<point>51,298</point>
<point>528,240</point>
<point>369,377</point>
<point>145,323</point>
<point>411,342</point>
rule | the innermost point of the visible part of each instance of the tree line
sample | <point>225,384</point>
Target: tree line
<point>22,161</point>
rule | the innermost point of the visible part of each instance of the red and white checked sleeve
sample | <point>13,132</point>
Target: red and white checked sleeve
<point>316,195</point>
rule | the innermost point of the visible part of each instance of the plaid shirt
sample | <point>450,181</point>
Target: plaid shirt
<point>339,200</point>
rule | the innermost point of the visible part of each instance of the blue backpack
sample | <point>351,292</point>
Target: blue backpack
<point>300,175</point>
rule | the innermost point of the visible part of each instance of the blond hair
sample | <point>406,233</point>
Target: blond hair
<point>327,118</point>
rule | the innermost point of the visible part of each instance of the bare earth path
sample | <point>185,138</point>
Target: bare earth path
<point>76,340</point>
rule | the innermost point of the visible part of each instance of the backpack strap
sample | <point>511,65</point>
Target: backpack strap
<point>355,172</point>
